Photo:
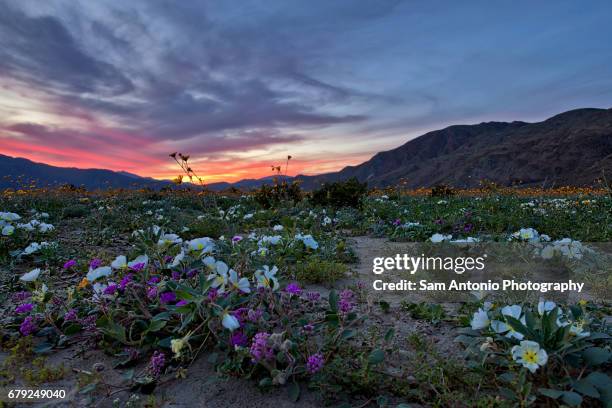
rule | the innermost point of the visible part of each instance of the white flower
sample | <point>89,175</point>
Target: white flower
<point>326,221</point>
<point>44,227</point>
<point>527,234</point>
<point>229,321</point>
<point>9,216</point>
<point>202,245</point>
<point>30,276</point>
<point>178,259</point>
<point>98,273</point>
<point>33,247</point>
<point>545,306</point>
<point>209,261</point>
<point>8,230</point>
<point>269,239</point>
<point>266,277</point>
<point>241,284</point>
<point>437,238</point>
<point>219,278</point>
<point>530,355</point>
<point>480,320</point>
<point>308,241</point>
<point>247,217</point>
<point>578,331</point>
<point>169,239</point>
<point>28,226</point>
<point>120,262</point>
<point>278,228</point>
<point>514,311</point>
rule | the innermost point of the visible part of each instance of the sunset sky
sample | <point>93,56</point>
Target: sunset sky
<point>239,85</point>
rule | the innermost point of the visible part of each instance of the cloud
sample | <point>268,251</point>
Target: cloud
<point>40,50</point>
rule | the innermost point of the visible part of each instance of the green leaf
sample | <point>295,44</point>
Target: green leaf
<point>294,392</point>
<point>347,334</point>
<point>571,398</point>
<point>377,356</point>
<point>586,388</point>
<point>596,355</point>
<point>550,393</point>
<point>389,335</point>
<point>333,301</point>
<point>599,380</point>
<point>156,325</point>
<point>161,316</point>
<point>43,348</point>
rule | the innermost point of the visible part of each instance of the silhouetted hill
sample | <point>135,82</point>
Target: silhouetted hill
<point>572,148</point>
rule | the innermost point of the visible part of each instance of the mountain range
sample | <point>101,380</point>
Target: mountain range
<point>572,148</point>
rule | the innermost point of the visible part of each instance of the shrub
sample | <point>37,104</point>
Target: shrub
<point>320,271</point>
<point>442,190</point>
<point>268,196</point>
<point>347,193</point>
<point>76,211</point>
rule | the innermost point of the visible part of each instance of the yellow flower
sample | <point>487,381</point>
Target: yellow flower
<point>582,302</point>
<point>83,283</point>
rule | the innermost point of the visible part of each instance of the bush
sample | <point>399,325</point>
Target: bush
<point>268,196</point>
<point>76,211</point>
<point>442,190</point>
<point>320,271</point>
<point>340,194</point>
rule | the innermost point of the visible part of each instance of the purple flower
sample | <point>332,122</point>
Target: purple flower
<point>238,338</point>
<point>192,273</point>
<point>293,288</point>
<point>313,296</point>
<point>25,308</point>
<point>236,239</point>
<point>111,289</point>
<point>260,350</point>
<point>167,258</point>
<point>69,264</point>
<point>182,303</point>
<point>176,275</point>
<point>254,315</point>
<point>468,227</point>
<point>132,353</point>
<point>308,328</point>
<point>439,221</point>
<point>157,363</point>
<point>21,296</point>
<point>138,267</point>
<point>28,326</point>
<point>315,363</point>
<point>71,315</point>
<point>346,301</point>
<point>95,263</point>
<point>154,280</point>
<point>397,222</point>
<point>167,297</point>
<point>212,294</point>
<point>125,281</point>
<point>152,292</point>
<point>89,322</point>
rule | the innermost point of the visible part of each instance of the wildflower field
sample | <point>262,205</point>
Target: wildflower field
<point>145,298</point>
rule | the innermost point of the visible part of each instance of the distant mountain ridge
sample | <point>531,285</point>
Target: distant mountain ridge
<point>572,148</point>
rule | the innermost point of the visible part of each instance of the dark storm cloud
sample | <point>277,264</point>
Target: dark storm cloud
<point>42,51</point>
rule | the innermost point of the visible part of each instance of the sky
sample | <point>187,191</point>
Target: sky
<point>239,85</point>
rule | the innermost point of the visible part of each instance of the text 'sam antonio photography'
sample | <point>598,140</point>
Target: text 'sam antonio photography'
<point>287,203</point>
